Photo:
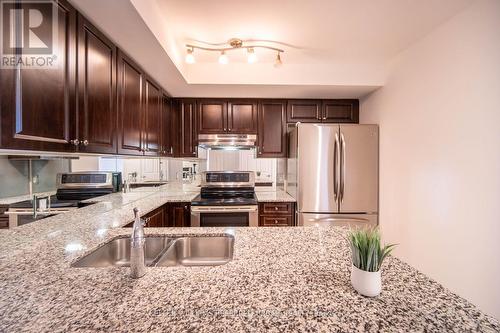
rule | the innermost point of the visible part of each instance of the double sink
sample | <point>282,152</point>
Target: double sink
<point>164,251</point>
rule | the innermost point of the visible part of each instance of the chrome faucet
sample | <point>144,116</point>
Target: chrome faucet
<point>137,264</point>
<point>126,186</point>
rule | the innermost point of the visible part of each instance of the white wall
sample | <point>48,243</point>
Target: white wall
<point>243,160</point>
<point>85,163</point>
<point>439,117</point>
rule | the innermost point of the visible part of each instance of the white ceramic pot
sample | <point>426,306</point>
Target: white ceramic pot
<point>366,283</point>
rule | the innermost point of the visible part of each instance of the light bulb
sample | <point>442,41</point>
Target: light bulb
<point>223,59</point>
<point>278,61</point>
<point>252,57</point>
<point>190,57</point>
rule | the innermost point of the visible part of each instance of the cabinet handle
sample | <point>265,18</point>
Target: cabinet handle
<point>171,150</point>
<point>75,142</point>
<point>275,208</point>
<point>275,221</point>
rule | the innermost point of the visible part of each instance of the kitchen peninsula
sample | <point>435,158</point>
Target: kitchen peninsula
<point>282,279</point>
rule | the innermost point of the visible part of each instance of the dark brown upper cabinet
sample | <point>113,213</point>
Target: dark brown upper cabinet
<point>340,111</point>
<point>212,116</point>
<point>130,106</point>
<point>304,110</point>
<point>96,72</point>
<point>188,135</point>
<point>227,116</point>
<point>38,105</point>
<point>153,118</point>
<point>167,127</point>
<point>242,116</point>
<point>323,111</point>
<point>272,128</point>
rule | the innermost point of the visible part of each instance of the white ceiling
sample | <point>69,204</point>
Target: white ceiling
<point>334,48</point>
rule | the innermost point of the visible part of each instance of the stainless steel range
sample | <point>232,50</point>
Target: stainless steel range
<point>72,191</point>
<point>227,199</point>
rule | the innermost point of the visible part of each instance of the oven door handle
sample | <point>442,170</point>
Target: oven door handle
<point>221,209</point>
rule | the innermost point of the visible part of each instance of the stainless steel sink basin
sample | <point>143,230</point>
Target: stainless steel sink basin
<point>117,253</point>
<point>199,251</point>
<point>164,251</point>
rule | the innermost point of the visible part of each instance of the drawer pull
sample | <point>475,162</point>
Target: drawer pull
<point>275,208</point>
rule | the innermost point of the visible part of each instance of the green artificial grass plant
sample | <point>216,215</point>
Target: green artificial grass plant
<point>367,252</point>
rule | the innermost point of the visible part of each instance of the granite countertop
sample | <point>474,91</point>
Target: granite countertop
<point>277,195</point>
<point>280,279</point>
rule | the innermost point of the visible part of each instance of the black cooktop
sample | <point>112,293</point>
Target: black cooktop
<point>54,203</point>
<point>225,197</point>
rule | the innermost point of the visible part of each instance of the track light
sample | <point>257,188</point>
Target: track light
<point>189,56</point>
<point>223,58</point>
<point>251,56</point>
<point>234,44</point>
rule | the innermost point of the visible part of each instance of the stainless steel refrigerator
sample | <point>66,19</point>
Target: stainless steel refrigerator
<point>332,171</point>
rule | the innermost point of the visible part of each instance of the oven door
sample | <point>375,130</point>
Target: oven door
<point>224,216</point>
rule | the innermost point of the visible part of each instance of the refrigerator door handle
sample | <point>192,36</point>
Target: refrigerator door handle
<point>336,167</point>
<point>342,167</point>
<point>338,219</point>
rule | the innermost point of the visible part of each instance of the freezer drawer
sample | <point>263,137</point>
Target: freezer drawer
<point>349,220</point>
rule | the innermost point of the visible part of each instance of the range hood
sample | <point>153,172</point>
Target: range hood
<point>227,141</point>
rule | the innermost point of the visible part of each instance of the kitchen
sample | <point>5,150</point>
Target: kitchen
<point>186,168</point>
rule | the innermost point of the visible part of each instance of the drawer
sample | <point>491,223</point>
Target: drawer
<point>275,221</point>
<point>285,208</point>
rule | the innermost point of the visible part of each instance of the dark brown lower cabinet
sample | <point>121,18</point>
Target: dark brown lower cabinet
<point>173,214</point>
<point>4,218</point>
<point>156,218</point>
<point>276,214</point>
<point>179,214</point>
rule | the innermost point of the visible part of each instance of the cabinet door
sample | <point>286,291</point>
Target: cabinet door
<point>305,111</point>
<point>152,110</point>
<point>275,221</point>
<point>242,116</point>
<point>180,215</point>
<point>38,105</point>
<point>340,111</point>
<point>167,128</point>
<point>156,218</point>
<point>188,134</point>
<point>130,106</point>
<point>212,116</point>
<point>272,129</point>
<point>96,90</point>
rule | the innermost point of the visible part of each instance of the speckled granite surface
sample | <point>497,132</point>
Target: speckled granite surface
<point>270,196</point>
<point>281,279</point>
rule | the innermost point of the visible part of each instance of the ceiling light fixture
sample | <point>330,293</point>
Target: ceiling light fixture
<point>278,61</point>
<point>251,56</point>
<point>223,59</point>
<point>189,56</point>
<point>231,45</point>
